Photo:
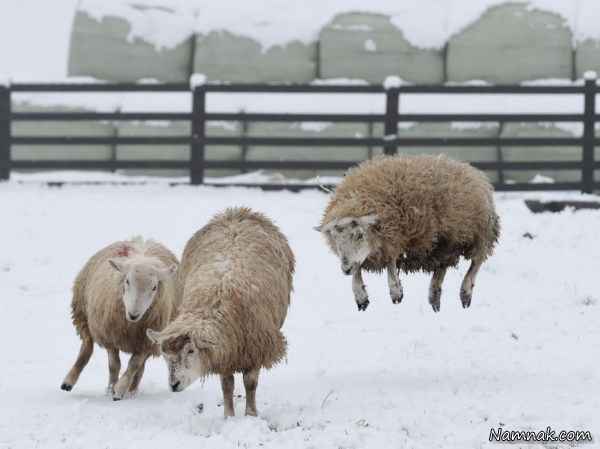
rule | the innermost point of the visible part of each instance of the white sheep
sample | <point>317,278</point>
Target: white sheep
<point>234,281</point>
<point>121,291</point>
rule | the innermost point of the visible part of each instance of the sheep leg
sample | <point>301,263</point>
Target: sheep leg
<point>122,386</point>
<point>394,284</point>
<point>435,288</point>
<point>250,383</point>
<point>359,290</point>
<point>137,378</point>
<point>114,368</point>
<point>227,385</point>
<point>466,289</point>
<point>85,352</point>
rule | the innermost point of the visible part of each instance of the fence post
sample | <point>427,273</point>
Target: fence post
<point>198,133</point>
<point>392,99</point>
<point>4,133</point>
<point>587,171</point>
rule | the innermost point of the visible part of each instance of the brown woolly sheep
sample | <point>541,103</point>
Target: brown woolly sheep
<point>121,291</point>
<point>411,213</point>
<point>235,281</point>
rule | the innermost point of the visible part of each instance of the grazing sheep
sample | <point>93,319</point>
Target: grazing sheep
<point>410,214</point>
<point>235,281</point>
<point>120,292</point>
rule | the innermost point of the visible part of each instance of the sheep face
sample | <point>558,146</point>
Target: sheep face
<point>351,239</point>
<point>141,284</point>
<point>184,359</point>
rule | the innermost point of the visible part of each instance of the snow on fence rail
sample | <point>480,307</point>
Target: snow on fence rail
<point>392,141</point>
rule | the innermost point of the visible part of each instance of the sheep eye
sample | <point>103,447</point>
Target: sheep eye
<point>127,281</point>
<point>154,288</point>
<point>191,351</point>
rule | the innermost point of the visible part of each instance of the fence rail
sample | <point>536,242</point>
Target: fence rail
<point>392,142</point>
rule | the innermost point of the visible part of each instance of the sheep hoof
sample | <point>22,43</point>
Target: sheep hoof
<point>465,298</point>
<point>115,398</point>
<point>397,299</point>
<point>434,299</point>
<point>66,387</point>
<point>363,305</point>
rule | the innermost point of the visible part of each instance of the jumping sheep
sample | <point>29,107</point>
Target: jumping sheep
<point>235,281</point>
<point>411,213</point>
<point>121,291</point>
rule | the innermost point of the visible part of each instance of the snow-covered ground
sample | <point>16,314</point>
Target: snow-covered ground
<point>524,356</point>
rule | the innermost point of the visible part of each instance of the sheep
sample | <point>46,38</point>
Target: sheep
<point>411,213</point>
<point>121,291</point>
<point>235,281</point>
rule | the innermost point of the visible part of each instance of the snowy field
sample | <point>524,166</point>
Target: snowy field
<point>524,356</point>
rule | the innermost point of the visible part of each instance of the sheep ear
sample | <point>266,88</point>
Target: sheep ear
<point>117,265</point>
<point>153,335</point>
<point>369,220</point>
<point>167,273</point>
<point>318,228</point>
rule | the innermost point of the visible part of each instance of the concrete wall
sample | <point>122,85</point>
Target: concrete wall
<point>101,49</point>
<point>224,56</point>
<point>511,43</point>
<point>587,57</point>
<point>369,47</point>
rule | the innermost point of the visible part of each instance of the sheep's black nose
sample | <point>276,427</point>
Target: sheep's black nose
<point>175,386</point>
<point>347,270</point>
<point>133,317</point>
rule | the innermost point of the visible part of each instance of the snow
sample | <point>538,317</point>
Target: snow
<point>392,82</point>
<point>394,376</point>
<point>370,45</point>
<point>197,79</point>
<point>150,21</point>
<point>425,23</point>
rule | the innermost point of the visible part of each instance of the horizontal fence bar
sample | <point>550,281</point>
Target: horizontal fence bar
<point>294,88</point>
<point>115,140</point>
<point>87,116</point>
<point>301,141</point>
<point>484,141</point>
<point>97,165</point>
<point>100,87</point>
<point>491,89</point>
<point>528,165</point>
<point>490,117</point>
<point>296,141</point>
<point>530,187</point>
<point>285,117</point>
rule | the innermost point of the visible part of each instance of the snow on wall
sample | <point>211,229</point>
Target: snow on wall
<point>425,23</point>
<point>34,35</point>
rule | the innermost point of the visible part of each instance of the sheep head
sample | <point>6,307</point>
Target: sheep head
<point>351,238</point>
<point>141,282</point>
<point>185,353</point>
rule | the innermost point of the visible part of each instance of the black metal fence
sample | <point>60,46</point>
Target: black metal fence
<point>392,142</point>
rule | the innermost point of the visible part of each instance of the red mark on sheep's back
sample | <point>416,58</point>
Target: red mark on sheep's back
<point>123,251</point>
